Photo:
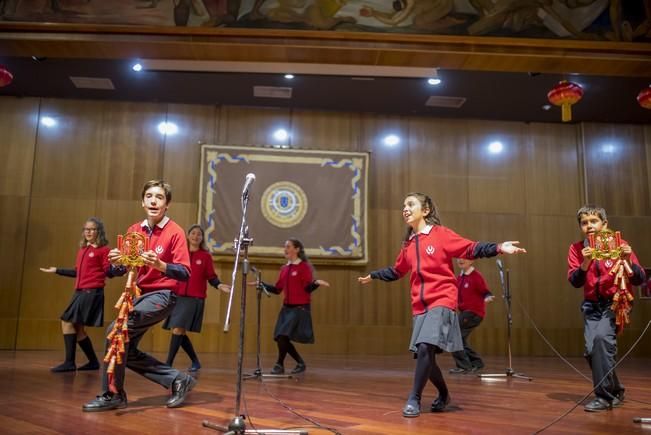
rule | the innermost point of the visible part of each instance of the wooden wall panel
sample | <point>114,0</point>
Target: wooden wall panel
<point>552,166</point>
<point>530,192</point>
<point>18,124</point>
<point>496,181</point>
<point>438,156</point>
<point>131,148</point>
<point>182,152</point>
<point>616,168</point>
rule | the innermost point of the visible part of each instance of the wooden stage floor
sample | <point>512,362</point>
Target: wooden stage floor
<point>353,395</point>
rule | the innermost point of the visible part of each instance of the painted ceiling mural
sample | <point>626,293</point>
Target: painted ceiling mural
<point>603,20</point>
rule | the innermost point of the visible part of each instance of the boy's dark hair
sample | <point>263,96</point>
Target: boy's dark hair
<point>591,209</point>
<point>158,183</point>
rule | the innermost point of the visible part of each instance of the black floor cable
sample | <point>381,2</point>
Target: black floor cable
<point>565,414</point>
<point>314,423</point>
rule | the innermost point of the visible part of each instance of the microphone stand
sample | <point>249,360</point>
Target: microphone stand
<point>257,373</point>
<point>506,289</point>
<point>237,426</point>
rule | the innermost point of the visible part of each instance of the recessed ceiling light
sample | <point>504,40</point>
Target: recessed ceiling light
<point>289,76</point>
<point>137,67</point>
<point>546,106</point>
<point>434,81</point>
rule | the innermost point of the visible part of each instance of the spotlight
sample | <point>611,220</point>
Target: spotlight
<point>168,128</point>
<point>434,81</point>
<point>289,76</point>
<point>281,135</point>
<point>48,121</point>
<point>608,148</point>
<point>391,140</point>
<point>137,67</point>
<point>495,147</point>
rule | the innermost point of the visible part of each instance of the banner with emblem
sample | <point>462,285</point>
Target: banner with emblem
<point>318,197</point>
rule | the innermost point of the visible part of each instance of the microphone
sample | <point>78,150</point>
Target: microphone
<point>250,178</point>
<point>500,266</point>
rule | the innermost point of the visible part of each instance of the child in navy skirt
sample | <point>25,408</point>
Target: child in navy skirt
<point>294,323</point>
<point>86,307</point>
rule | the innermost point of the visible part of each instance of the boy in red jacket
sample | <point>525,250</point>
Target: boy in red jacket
<point>473,296</point>
<point>598,318</point>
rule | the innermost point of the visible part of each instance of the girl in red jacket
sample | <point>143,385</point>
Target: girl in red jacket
<point>86,307</point>
<point>188,312</point>
<point>427,254</point>
<point>295,319</point>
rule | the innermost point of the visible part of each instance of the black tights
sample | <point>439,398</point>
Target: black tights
<point>286,347</point>
<point>427,368</point>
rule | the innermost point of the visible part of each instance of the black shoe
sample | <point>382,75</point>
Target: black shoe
<point>278,370</point>
<point>180,388</point>
<point>90,365</point>
<point>411,409</point>
<point>64,367</point>
<point>439,404</point>
<point>195,367</point>
<point>106,402</point>
<point>618,399</point>
<point>458,370</point>
<point>300,368</point>
<point>598,405</point>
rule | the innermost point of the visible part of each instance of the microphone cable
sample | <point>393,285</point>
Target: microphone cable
<point>620,360</point>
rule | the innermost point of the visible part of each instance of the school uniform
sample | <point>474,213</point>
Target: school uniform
<point>473,291</point>
<point>91,270</point>
<point>156,302</point>
<point>428,256</point>
<point>296,282</point>
<point>598,319</point>
<point>190,301</point>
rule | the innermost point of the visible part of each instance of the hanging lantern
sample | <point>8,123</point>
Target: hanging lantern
<point>5,77</point>
<point>644,97</point>
<point>565,94</point>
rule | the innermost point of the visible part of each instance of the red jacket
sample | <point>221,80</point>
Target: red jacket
<point>202,270</point>
<point>296,282</point>
<point>91,267</point>
<point>472,292</point>
<point>428,256</point>
<point>168,241</point>
<point>597,281</point>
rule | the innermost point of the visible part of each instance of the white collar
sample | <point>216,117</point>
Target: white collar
<point>161,224</point>
<point>425,230</point>
<point>470,270</point>
<point>295,262</point>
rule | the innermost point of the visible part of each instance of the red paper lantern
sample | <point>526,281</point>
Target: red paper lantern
<point>5,77</point>
<point>565,94</point>
<point>644,98</point>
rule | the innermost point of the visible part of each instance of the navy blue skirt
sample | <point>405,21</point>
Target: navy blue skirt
<point>295,322</point>
<point>187,314</point>
<point>86,307</point>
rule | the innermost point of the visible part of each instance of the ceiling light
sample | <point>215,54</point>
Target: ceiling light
<point>608,148</point>
<point>391,140</point>
<point>434,81</point>
<point>48,121</point>
<point>289,76</point>
<point>495,147</point>
<point>168,128</point>
<point>546,107</point>
<point>137,67</point>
